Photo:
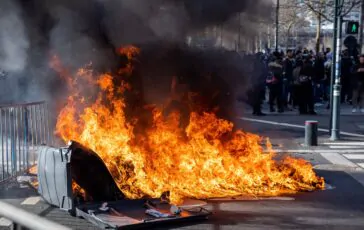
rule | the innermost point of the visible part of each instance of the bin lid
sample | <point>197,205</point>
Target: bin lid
<point>91,174</point>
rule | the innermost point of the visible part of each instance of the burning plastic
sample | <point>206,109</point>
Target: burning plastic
<point>207,159</point>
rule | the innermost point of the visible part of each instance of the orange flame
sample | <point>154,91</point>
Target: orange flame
<point>206,160</point>
<point>130,52</point>
<point>56,64</point>
<point>77,190</point>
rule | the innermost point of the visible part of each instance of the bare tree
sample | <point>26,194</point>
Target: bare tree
<point>290,16</point>
<point>323,10</point>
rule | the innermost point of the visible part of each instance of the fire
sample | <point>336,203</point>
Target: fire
<point>78,191</point>
<point>206,160</point>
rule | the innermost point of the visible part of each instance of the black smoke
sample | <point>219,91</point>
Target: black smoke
<point>91,31</point>
<point>204,13</point>
<point>84,29</point>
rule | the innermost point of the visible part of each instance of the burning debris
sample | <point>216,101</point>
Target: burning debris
<point>76,180</point>
<point>188,152</point>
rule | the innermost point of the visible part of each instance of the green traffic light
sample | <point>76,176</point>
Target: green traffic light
<point>352,27</point>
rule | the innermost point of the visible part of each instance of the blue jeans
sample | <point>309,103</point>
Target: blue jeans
<point>319,91</point>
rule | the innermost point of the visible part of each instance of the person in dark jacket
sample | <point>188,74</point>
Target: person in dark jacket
<point>276,84</point>
<point>257,93</point>
<point>318,77</point>
<point>346,72</point>
<point>288,66</point>
<point>358,93</point>
<point>305,89</point>
<point>327,79</point>
<point>295,84</point>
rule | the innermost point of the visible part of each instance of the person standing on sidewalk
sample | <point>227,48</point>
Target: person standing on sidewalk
<point>275,83</point>
<point>288,66</point>
<point>318,77</point>
<point>303,76</point>
<point>346,72</point>
<point>358,87</point>
<point>327,80</point>
<point>296,84</point>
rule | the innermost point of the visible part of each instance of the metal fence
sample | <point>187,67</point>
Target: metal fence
<point>23,128</point>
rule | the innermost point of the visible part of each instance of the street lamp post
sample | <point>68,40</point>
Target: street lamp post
<point>277,25</point>
<point>336,90</point>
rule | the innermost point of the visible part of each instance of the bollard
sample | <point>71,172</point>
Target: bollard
<point>311,128</point>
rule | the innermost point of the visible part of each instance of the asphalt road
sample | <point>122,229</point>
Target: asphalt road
<point>339,208</point>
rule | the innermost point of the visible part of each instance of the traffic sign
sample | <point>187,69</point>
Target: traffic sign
<point>352,27</point>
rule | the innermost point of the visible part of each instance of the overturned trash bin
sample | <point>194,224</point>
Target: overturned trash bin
<point>61,170</point>
<point>311,129</point>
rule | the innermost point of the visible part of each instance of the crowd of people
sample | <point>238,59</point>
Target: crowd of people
<point>298,79</point>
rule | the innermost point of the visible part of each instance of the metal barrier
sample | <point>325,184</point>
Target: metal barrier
<point>23,220</point>
<point>23,128</point>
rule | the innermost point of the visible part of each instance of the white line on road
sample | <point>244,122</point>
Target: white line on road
<point>31,200</point>
<point>345,143</point>
<point>5,222</point>
<point>247,198</point>
<point>338,159</point>
<point>296,126</point>
<point>346,147</point>
<point>271,122</point>
<point>318,150</point>
<point>354,156</point>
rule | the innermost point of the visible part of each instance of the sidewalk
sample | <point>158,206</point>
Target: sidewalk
<point>320,108</point>
<point>25,197</point>
<point>287,129</point>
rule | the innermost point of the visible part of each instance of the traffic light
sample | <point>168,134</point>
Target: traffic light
<point>352,27</point>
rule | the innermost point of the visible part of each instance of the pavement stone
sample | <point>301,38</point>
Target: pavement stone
<point>15,194</point>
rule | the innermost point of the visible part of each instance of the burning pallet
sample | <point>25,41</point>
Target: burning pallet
<point>76,180</point>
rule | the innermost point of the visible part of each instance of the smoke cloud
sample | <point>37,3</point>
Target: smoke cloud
<point>90,31</point>
<point>13,39</point>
